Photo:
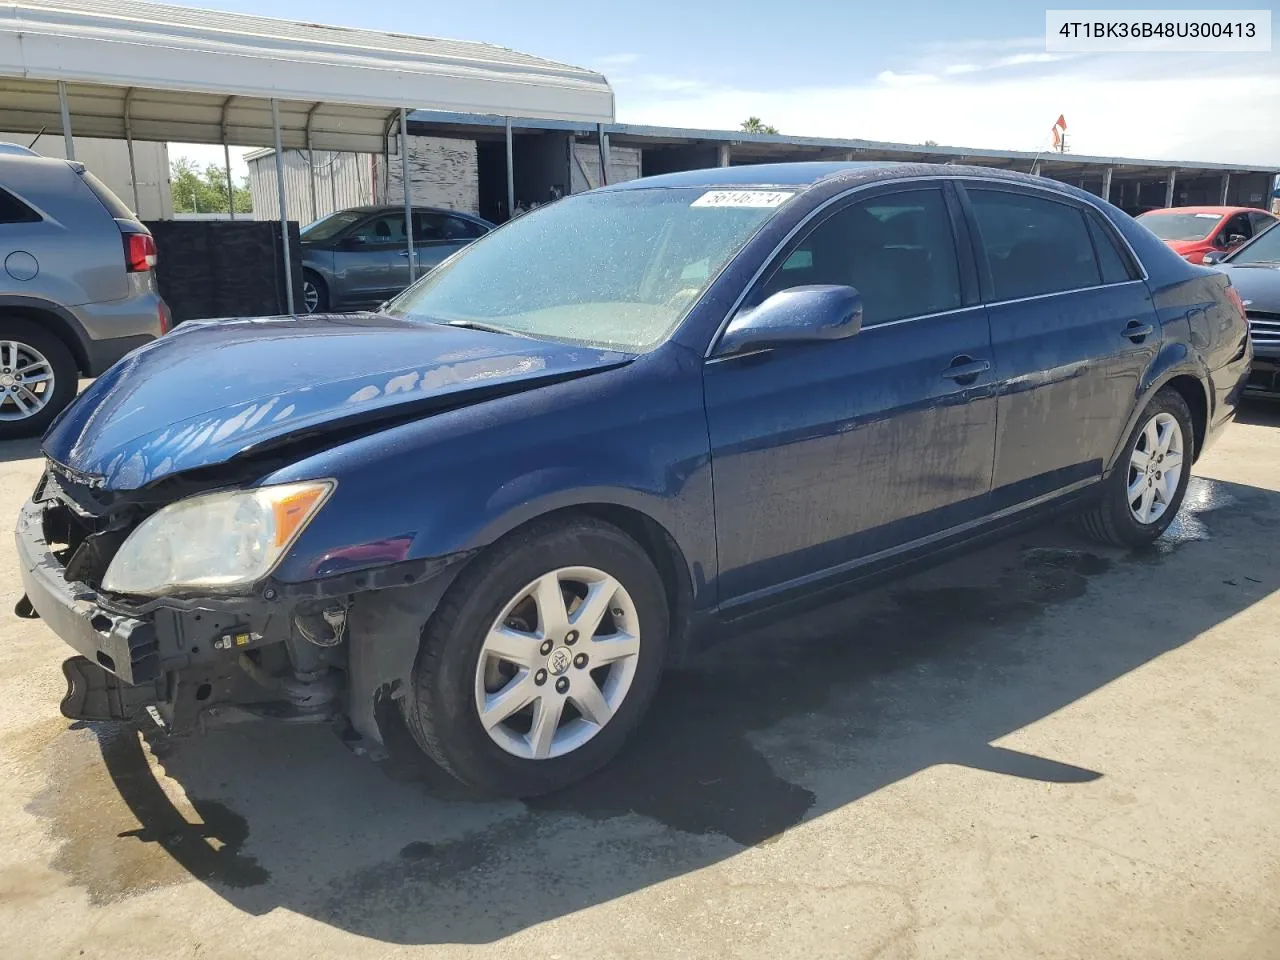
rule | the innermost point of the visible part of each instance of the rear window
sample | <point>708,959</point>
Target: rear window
<point>13,210</point>
<point>115,206</point>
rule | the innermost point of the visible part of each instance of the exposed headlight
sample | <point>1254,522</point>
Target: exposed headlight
<point>216,542</point>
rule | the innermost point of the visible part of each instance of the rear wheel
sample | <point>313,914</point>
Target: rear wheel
<point>37,378</point>
<point>541,659</point>
<point>1145,490</point>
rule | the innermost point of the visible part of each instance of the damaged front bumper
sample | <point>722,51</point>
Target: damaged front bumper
<point>327,649</point>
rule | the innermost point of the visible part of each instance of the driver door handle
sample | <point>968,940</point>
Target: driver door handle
<point>964,370</point>
<point>1137,331</point>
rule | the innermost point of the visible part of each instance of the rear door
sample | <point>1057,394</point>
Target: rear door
<point>437,236</point>
<point>1073,329</point>
<point>827,454</point>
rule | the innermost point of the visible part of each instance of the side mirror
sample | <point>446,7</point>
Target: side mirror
<point>797,315</point>
<point>352,243</point>
<point>1213,256</point>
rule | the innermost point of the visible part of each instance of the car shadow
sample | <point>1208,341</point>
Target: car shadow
<point>788,722</point>
<point>1262,413</point>
<point>14,450</point>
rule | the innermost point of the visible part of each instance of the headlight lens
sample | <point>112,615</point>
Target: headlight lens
<point>216,542</point>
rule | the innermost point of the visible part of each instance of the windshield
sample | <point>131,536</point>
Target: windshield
<point>616,270</point>
<point>1181,226</point>
<point>328,227</point>
<point>1264,249</point>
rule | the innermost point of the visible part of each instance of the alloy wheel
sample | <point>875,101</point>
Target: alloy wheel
<point>26,381</point>
<point>310,296</point>
<point>1155,468</point>
<point>557,663</point>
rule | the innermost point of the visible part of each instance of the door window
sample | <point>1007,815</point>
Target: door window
<point>1261,221</point>
<point>897,250</point>
<point>385,228</point>
<point>1237,226</point>
<point>13,210</point>
<point>428,227</point>
<point>1034,246</point>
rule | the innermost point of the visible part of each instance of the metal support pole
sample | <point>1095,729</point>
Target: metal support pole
<point>725,154</point>
<point>1226,185</point>
<point>128,141</point>
<point>1106,183</point>
<point>408,195</point>
<point>231,190</point>
<point>603,139</point>
<point>511,176</point>
<point>284,209</point>
<point>311,164</point>
<point>1168,188</point>
<point>66,120</point>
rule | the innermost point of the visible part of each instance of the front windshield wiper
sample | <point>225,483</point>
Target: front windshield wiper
<point>480,325</point>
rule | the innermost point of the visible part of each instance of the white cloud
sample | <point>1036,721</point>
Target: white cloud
<point>1159,107</point>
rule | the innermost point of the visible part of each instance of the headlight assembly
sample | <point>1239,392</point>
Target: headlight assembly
<point>217,541</point>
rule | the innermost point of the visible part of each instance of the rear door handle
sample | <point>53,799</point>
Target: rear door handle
<point>1138,331</point>
<point>965,370</point>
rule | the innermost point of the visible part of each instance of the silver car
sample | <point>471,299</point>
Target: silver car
<point>355,259</point>
<point>78,288</point>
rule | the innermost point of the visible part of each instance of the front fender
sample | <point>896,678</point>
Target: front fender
<point>634,437</point>
<point>1175,359</point>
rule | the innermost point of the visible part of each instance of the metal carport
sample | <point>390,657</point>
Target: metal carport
<point>146,71</point>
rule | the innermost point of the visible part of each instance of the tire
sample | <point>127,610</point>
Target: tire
<point>1112,520</point>
<point>442,711</point>
<point>33,343</point>
<point>312,280</point>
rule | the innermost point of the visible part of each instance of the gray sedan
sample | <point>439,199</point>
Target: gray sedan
<point>355,259</point>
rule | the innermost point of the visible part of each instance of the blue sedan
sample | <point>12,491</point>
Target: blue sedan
<point>591,439</point>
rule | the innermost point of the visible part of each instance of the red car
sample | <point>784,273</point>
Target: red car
<point>1194,231</point>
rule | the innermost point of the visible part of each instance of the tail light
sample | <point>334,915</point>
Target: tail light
<point>1234,296</point>
<point>139,252</point>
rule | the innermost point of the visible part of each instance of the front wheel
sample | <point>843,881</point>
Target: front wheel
<point>541,659</point>
<point>315,295</point>
<point>1145,490</point>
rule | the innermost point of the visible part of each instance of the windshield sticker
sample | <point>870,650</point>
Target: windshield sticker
<point>743,198</point>
<point>1209,216</point>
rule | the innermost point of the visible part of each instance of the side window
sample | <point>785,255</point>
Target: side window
<point>440,226</point>
<point>13,210</point>
<point>1114,264</point>
<point>1034,246</point>
<point>458,229</point>
<point>1261,221</point>
<point>897,250</point>
<point>1237,226</point>
<point>386,228</point>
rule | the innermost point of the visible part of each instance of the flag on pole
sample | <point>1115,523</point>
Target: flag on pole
<point>1062,122</point>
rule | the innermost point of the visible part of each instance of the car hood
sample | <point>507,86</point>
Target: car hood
<point>213,390</point>
<point>1258,283</point>
<point>1187,246</point>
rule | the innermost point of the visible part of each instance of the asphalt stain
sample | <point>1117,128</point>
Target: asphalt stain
<point>123,834</point>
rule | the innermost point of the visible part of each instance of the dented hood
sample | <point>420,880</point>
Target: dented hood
<point>216,389</point>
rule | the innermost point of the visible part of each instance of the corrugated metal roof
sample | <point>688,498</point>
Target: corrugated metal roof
<point>200,75</point>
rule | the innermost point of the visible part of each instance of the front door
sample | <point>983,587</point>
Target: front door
<point>1073,328</point>
<point>827,454</point>
<point>370,259</point>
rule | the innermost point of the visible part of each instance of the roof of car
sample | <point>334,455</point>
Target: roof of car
<point>399,207</point>
<point>810,174</point>
<point>1221,211</point>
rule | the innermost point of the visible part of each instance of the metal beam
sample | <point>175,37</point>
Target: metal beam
<point>1106,183</point>
<point>603,139</point>
<point>284,210</point>
<point>311,163</point>
<point>226,158</point>
<point>408,196</point>
<point>726,154</point>
<point>66,120</point>
<point>511,174</point>
<point>1168,188</point>
<point>128,141</point>
<point>1226,186</point>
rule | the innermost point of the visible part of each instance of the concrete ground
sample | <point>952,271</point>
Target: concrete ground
<point>1045,749</point>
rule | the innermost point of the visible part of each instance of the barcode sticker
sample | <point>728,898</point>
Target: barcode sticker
<point>743,198</point>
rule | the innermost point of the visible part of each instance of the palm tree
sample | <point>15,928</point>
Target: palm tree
<point>756,125</point>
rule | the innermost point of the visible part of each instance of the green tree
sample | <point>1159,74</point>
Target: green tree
<point>756,125</point>
<point>196,191</point>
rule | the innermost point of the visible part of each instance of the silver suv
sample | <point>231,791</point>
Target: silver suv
<point>77,288</point>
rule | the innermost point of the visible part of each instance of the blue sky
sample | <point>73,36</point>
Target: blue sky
<point>910,71</point>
